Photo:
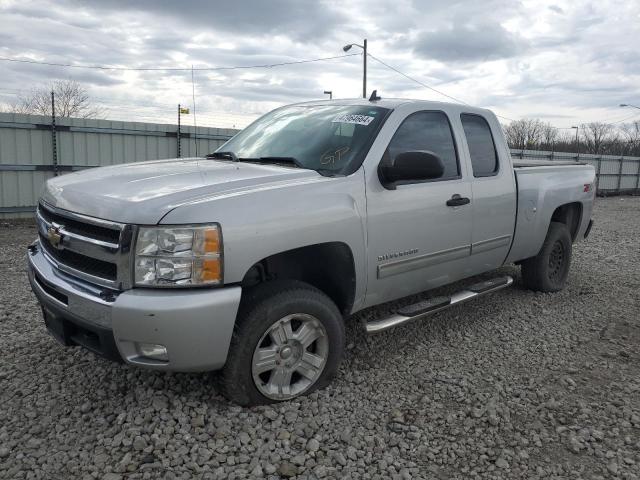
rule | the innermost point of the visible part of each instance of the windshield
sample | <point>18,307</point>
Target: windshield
<point>331,139</point>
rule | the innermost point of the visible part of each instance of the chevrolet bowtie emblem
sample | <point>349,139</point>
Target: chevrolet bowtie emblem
<point>54,236</point>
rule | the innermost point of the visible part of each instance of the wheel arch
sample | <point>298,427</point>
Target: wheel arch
<point>571,215</point>
<point>330,267</point>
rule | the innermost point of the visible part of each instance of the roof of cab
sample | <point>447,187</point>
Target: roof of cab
<point>393,103</point>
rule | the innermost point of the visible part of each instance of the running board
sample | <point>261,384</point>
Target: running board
<point>428,307</point>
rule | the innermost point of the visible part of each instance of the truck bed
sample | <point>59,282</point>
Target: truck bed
<point>542,186</point>
<point>521,163</point>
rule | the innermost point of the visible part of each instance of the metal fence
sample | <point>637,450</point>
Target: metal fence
<point>616,174</point>
<point>31,151</point>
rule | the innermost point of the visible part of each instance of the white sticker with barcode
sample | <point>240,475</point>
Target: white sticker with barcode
<point>357,119</point>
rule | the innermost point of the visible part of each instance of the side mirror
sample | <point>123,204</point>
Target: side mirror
<point>418,165</point>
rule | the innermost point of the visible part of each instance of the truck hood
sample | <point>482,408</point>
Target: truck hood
<point>146,191</point>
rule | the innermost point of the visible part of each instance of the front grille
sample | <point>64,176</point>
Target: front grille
<point>91,249</point>
<point>103,234</point>
<point>77,261</point>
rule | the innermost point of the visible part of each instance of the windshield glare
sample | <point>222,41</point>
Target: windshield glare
<point>331,139</point>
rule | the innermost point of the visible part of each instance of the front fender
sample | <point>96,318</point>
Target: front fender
<point>261,223</point>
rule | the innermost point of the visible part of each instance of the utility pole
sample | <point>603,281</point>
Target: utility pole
<point>346,48</point>
<point>364,70</point>
<point>54,144</point>
<point>195,123</point>
<point>577,143</point>
<point>178,132</point>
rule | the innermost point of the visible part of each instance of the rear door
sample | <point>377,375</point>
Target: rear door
<point>494,192</point>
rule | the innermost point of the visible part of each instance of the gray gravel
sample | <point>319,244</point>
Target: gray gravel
<point>516,385</point>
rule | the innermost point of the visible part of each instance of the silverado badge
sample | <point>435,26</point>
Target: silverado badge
<point>54,235</point>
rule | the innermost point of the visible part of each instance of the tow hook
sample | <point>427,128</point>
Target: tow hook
<point>107,296</point>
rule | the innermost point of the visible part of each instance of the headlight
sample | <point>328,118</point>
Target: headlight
<point>178,256</point>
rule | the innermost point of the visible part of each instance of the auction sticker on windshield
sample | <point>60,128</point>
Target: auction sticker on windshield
<point>357,119</point>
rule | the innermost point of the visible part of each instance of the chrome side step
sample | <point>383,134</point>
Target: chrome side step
<point>428,307</point>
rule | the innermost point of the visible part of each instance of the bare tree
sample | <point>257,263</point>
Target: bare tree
<point>529,133</point>
<point>631,137</point>
<point>72,100</point>
<point>548,137</point>
<point>566,141</point>
<point>596,136</point>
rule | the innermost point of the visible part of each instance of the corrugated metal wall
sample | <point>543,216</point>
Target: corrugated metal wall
<point>26,150</point>
<point>616,174</point>
<point>26,153</point>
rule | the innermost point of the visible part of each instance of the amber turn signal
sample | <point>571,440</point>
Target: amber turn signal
<point>212,240</point>
<point>210,270</point>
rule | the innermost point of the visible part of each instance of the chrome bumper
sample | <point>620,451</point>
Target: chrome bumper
<point>195,325</point>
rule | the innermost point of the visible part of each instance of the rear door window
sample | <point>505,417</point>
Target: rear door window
<point>482,149</point>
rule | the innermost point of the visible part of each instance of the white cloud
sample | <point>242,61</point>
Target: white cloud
<point>563,61</point>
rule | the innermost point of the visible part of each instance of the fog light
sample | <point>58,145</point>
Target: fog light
<point>151,350</point>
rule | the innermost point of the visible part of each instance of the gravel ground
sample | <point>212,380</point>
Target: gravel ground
<point>515,385</point>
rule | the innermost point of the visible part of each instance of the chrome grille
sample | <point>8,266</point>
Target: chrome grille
<point>104,234</point>
<point>91,266</point>
<point>89,248</point>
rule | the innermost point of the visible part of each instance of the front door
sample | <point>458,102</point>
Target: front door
<point>415,240</point>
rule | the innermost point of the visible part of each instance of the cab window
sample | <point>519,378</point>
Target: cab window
<point>429,131</point>
<point>482,149</point>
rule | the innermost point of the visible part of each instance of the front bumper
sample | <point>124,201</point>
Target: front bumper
<point>195,325</point>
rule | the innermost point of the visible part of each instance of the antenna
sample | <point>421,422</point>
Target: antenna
<point>195,123</point>
<point>374,96</point>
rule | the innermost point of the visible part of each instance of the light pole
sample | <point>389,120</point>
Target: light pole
<point>346,48</point>
<point>330,93</point>
<point>628,105</point>
<point>577,142</point>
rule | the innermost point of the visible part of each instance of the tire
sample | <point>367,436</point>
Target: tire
<point>549,269</point>
<point>261,338</point>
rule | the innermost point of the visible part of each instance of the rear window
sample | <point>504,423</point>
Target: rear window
<point>482,149</point>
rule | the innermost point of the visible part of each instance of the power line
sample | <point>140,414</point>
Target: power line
<point>462,101</point>
<point>128,105</point>
<point>625,118</point>
<point>427,86</point>
<point>602,122</point>
<point>417,81</point>
<point>174,69</point>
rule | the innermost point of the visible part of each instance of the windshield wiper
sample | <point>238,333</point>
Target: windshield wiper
<point>291,160</point>
<point>223,155</point>
<point>232,156</point>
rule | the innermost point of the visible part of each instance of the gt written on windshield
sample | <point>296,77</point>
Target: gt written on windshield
<point>330,139</point>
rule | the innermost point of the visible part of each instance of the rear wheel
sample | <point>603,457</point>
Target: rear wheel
<point>548,271</point>
<point>288,341</point>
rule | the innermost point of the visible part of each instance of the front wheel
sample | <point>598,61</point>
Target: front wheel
<point>288,341</point>
<point>549,269</point>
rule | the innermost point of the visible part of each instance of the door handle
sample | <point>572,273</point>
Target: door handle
<point>457,201</point>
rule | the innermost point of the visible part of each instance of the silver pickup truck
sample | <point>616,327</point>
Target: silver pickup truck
<point>252,259</point>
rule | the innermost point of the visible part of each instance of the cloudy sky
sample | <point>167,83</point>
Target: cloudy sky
<point>564,62</point>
